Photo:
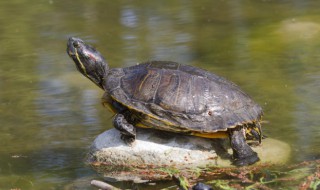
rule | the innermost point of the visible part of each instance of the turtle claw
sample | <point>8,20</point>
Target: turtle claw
<point>129,140</point>
<point>249,160</point>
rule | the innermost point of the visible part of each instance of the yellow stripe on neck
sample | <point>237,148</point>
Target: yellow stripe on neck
<point>82,66</point>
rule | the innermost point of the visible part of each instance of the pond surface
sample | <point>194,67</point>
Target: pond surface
<point>50,113</point>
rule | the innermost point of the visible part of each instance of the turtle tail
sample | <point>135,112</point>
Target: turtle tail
<point>254,131</point>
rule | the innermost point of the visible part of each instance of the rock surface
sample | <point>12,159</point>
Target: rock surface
<point>158,149</point>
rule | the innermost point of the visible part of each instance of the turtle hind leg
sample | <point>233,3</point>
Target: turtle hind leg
<point>242,153</point>
<point>127,130</point>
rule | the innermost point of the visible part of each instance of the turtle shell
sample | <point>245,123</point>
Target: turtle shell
<point>180,98</point>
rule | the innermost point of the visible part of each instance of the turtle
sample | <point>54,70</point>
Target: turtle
<point>173,97</point>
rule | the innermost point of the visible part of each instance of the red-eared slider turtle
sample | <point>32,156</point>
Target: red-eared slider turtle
<point>172,97</point>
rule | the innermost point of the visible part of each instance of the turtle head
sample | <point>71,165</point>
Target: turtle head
<point>88,60</point>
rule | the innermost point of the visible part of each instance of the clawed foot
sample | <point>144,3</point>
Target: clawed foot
<point>249,160</point>
<point>129,140</point>
<point>127,130</point>
<point>243,155</point>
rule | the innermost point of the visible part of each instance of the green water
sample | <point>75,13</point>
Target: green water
<point>50,114</point>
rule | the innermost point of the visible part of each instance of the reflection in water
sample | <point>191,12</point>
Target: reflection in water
<point>62,108</point>
<point>89,112</point>
<point>53,102</point>
<point>307,112</point>
<point>241,50</point>
<point>142,32</point>
<point>129,17</point>
<point>129,20</point>
<point>173,47</point>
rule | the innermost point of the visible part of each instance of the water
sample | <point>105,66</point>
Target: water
<point>50,114</point>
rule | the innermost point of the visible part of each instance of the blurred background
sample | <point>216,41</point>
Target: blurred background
<point>50,113</point>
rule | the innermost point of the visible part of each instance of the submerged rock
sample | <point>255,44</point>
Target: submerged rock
<point>155,152</point>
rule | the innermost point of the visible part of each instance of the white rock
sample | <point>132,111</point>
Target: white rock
<point>157,149</point>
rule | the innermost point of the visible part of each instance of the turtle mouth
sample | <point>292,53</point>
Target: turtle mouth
<point>70,48</point>
<point>71,53</point>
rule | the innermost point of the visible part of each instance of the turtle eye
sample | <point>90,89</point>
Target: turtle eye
<point>76,44</point>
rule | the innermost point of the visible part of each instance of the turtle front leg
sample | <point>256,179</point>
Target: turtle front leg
<point>242,153</point>
<point>127,130</point>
